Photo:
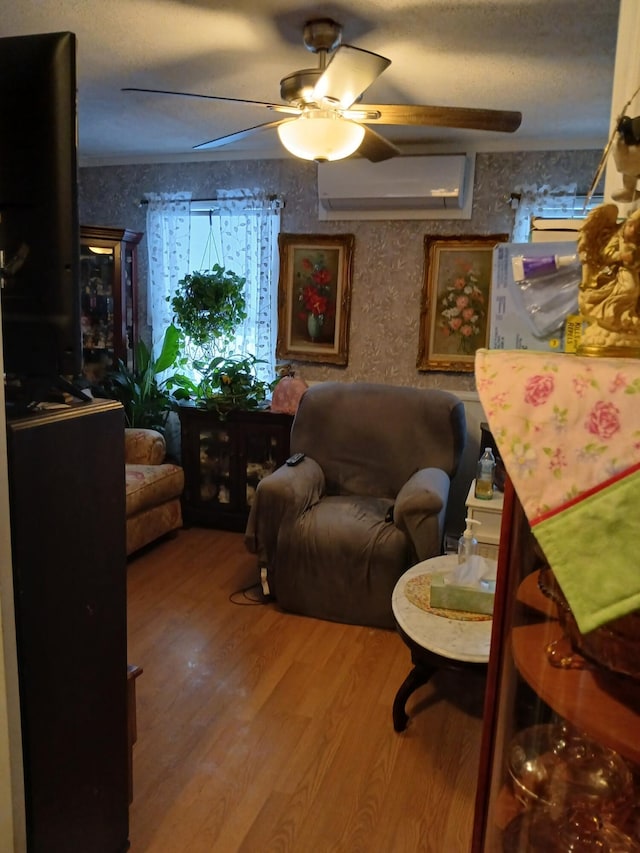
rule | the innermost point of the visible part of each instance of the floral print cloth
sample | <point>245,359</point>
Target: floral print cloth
<point>568,431</point>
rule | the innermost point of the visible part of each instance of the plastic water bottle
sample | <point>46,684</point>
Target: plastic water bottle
<point>484,475</point>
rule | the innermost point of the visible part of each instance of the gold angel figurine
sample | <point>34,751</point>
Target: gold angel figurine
<point>609,294</point>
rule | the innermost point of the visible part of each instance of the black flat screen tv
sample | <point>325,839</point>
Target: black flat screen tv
<point>39,230</point>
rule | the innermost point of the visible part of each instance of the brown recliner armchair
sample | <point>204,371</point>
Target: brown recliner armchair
<point>334,533</point>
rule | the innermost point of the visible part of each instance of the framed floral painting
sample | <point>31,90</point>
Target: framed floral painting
<point>314,297</point>
<point>456,299</point>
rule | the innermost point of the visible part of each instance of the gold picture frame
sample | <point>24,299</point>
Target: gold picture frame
<point>314,297</point>
<point>456,301</point>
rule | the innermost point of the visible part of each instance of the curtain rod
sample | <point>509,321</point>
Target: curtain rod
<point>145,201</point>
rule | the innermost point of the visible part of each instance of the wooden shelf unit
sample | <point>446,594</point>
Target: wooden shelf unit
<point>525,689</point>
<point>605,707</point>
<point>489,515</point>
<point>224,459</point>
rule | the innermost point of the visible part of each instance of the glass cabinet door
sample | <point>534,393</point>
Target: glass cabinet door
<point>108,298</point>
<point>129,325</point>
<point>264,453</point>
<point>561,742</point>
<point>97,264</point>
<point>215,468</point>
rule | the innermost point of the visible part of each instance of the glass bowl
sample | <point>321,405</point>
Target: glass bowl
<point>560,767</point>
<point>540,831</point>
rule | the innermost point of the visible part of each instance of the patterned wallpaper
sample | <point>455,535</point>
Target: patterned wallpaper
<point>388,257</point>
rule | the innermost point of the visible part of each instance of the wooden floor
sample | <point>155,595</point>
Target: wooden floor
<point>264,731</point>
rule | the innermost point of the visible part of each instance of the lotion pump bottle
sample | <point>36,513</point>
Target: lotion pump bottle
<point>468,544</point>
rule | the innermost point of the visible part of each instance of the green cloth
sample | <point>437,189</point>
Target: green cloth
<point>593,547</point>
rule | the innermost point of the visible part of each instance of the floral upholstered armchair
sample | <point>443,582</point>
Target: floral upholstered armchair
<point>153,488</point>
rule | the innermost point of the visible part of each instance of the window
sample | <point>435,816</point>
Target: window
<point>578,209</point>
<point>237,230</point>
<point>561,202</point>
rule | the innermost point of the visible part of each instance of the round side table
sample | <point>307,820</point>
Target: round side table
<point>434,641</point>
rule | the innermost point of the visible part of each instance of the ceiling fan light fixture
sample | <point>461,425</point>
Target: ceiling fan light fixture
<point>321,135</point>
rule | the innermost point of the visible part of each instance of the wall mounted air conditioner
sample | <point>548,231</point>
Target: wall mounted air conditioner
<point>436,186</point>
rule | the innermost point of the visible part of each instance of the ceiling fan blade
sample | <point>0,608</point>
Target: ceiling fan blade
<point>350,71</point>
<point>238,135</point>
<point>284,108</point>
<point>376,148</point>
<point>208,97</point>
<point>504,121</point>
<point>361,115</point>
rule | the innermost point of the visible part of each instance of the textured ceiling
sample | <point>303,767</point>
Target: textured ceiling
<point>551,59</point>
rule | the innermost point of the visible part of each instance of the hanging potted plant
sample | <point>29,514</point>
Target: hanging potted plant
<point>207,308</point>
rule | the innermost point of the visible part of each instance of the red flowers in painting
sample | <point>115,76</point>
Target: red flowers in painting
<point>314,287</point>
<point>314,302</point>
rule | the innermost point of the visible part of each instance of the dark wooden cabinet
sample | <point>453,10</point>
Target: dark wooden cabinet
<point>527,691</point>
<point>108,292</point>
<point>225,458</point>
<point>67,519</point>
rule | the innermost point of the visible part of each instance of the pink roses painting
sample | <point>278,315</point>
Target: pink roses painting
<point>463,308</point>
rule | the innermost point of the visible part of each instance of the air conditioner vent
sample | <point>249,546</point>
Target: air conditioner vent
<point>404,187</point>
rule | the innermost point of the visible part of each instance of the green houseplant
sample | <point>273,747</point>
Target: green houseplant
<point>207,307</point>
<point>225,383</point>
<point>147,401</point>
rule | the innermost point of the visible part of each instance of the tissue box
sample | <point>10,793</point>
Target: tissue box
<point>454,597</point>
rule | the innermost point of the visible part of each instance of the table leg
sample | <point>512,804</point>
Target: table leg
<point>418,676</point>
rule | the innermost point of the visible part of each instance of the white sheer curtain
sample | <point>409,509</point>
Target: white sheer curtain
<point>168,228</point>
<point>248,224</point>
<point>541,200</point>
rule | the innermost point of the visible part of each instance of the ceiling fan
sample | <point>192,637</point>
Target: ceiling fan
<point>324,119</point>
